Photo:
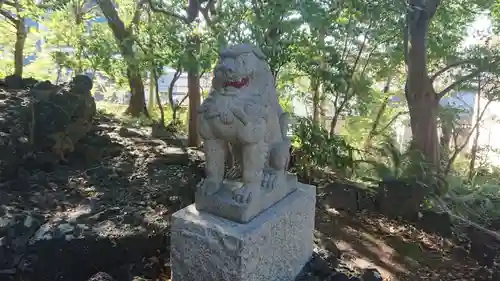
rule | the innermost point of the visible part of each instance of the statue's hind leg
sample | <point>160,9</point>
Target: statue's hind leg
<point>253,162</point>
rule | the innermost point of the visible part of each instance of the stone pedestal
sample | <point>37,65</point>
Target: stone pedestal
<point>274,246</point>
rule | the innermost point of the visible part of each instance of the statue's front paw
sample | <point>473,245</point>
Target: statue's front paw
<point>210,187</point>
<point>243,195</point>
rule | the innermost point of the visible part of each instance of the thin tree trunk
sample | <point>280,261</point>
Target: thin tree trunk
<point>315,100</point>
<point>154,77</point>
<point>473,154</point>
<point>466,141</point>
<point>59,73</point>
<point>21,35</point>
<point>444,142</point>
<point>193,80</point>
<point>174,106</point>
<point>380,113</point>
<point>333,123</point>
<point>152,89</point>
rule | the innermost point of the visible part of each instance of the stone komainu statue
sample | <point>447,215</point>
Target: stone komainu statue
<point>242,111</point>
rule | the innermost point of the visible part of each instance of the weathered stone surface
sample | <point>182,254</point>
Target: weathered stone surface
<point>274,246</point>
<point>41,123</point>
<point>241,116</point>
<point>432,221</point>
<point>219,204</point>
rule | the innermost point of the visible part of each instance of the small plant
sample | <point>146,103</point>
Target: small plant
<point>317,150</point>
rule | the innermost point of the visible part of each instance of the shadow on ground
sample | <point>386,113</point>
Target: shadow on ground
<point>398,250</point>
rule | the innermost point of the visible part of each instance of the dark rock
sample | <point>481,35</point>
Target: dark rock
<point>494,224</point>
<point>128,133</point>
<point>460,252</point>
<point>349,197</point>
<point>371,274</point>
<point>439,223</point>
<point>29,82</point>
<point>483,274</point>
<point>60,117</point>
<point>101,276</point>
<point>57,252</point>
<point>14,82</point>
<point>483,248</point>
<point>81,84</point>
<point>40,126</point>
<point>342,196</point>
<point>320,267</point>
<point>340,276</point>
<point>44,86</point>
<point>366,200</point>
<point>15,233</point>
<point>408,195</point>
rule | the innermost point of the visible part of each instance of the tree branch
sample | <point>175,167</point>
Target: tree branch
<point>8,16</point>
<point>460,81</point>
<point>450,66</point>
<point>168,13</point>
<point>432,6</point>
<point>205,12</point>
<point>6,2</point>
<point>137,15</point>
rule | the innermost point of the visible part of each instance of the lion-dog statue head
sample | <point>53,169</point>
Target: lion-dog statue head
<point>242,72</point>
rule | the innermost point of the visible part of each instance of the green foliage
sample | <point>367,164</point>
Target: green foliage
<point>317,150</point>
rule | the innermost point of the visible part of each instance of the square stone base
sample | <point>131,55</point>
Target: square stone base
<point>274,246</point>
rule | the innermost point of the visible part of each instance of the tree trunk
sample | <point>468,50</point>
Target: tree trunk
<point>315,100</point>
<point>194,93</point>
<point>152,90</point>
<point>475,143</point>
<point>380,113</point>
<point>137,102</point>
<point>124,38</point>
<point>421,96</point>
<point>21,35</point>
<point>155,76</point>
<point>173,105</point>
<point>323,104</point>
<point>423,119</point>
<point>444,142</point>
<point>333,123</point>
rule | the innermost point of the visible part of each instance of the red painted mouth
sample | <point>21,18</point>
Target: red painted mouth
<point>237,84</point>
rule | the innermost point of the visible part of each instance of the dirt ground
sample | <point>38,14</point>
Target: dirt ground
<point>399,251</point>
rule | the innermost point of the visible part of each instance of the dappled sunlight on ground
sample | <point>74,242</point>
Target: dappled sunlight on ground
<point>398,250</point>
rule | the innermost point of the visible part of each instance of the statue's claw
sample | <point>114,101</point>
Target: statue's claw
<point>243,194</point>
<point>210,187</point>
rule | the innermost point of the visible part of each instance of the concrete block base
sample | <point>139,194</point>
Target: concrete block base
<point>274,246</point>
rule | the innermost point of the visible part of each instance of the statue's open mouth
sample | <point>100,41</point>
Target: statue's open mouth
<point>238,83</point>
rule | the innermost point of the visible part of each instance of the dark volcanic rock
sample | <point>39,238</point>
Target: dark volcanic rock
<point>101,276</point>
<point>371,274</point>
<point>439,223</point>
<point>483,247</point>
<point>408,195</point>
<point>40,126</point>
<point>13,82</point>
<point>349,197</point>
<point>15,233</point>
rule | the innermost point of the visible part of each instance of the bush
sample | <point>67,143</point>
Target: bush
<point>317,151</point>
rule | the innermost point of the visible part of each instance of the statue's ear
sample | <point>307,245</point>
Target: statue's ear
<point>258,53</point>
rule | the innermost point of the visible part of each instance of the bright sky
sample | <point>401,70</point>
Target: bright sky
<point>482,23</point>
